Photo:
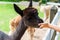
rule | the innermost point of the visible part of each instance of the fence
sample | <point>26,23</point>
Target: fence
<point>50,32</point>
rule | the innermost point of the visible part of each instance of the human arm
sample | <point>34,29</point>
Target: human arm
<point>47,25</point>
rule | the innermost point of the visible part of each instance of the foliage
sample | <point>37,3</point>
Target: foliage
<point>18,0</point>
<point>11,0</point>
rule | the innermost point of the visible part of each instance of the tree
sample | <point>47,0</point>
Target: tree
<point>42,2</point>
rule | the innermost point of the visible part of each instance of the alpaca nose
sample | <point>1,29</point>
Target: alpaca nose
<point>40,21</point>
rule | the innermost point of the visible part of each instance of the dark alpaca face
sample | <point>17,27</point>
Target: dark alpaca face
<point>29,15</point>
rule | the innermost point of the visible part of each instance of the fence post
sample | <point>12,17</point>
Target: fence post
<point>53,11</point>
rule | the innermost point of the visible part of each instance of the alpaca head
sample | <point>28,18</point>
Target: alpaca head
<point>29,15</point>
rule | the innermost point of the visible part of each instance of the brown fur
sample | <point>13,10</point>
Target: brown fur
<point>46,10</point>
<point>14,23</point>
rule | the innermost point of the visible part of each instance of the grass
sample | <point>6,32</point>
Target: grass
<point>7,12</point>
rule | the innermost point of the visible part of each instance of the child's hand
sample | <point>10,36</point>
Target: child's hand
<point>44,25</point>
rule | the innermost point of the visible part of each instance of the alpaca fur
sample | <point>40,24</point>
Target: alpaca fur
<point>4,36</point>
<point>46,10</point>
<point>14,23</point>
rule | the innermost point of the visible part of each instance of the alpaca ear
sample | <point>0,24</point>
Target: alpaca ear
<point>18,10</point>
<point>30,4</point>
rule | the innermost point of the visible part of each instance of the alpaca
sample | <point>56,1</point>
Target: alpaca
<point>46,10</point>
<point>14,23</point>
<point>29,19</point>
<point>29,13</point>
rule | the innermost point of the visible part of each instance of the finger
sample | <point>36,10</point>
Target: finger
<point>41,26</point>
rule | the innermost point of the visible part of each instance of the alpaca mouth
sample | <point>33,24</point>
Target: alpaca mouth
<point>34,25</point>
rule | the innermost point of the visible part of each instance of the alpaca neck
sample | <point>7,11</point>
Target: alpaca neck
<point>20,30</point>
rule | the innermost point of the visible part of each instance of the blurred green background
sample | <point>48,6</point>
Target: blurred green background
<point>17,0</point>
<point>33,0</point>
